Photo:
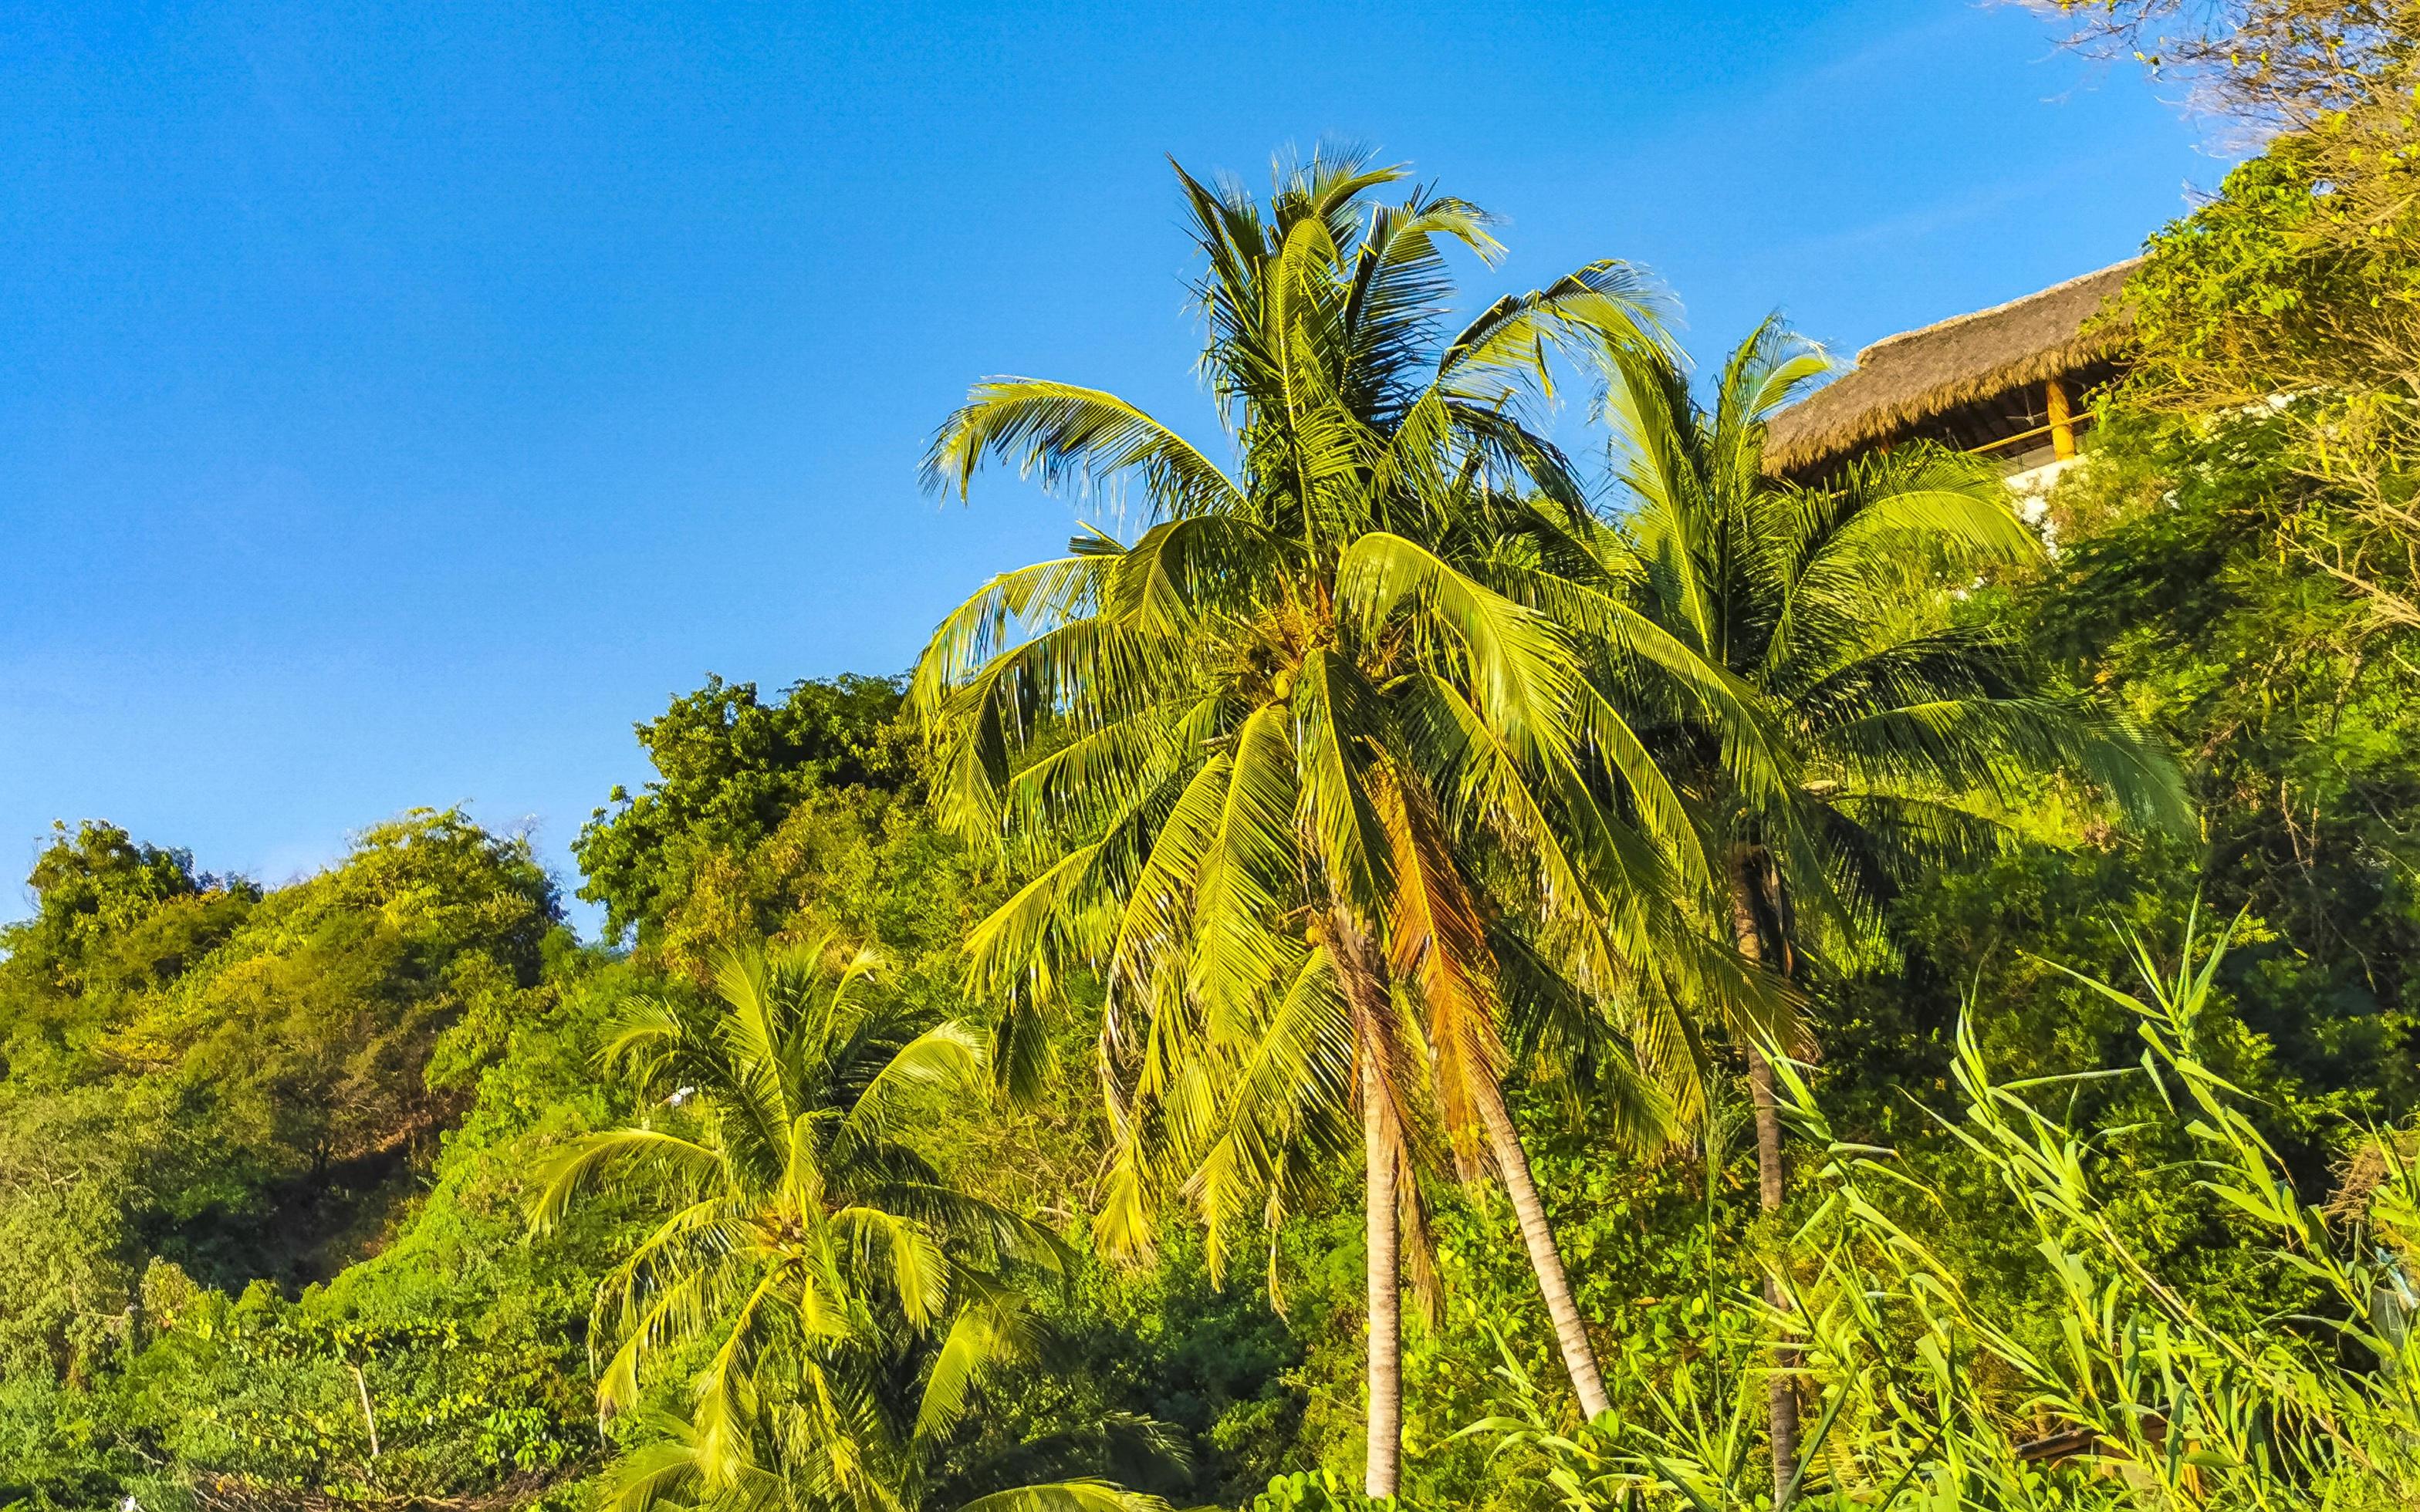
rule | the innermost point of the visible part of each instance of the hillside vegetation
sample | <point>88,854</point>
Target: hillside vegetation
<point>1944,1031</point>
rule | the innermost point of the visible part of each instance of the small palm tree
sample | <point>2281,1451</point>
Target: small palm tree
<point>1901,737</point>
<point>812,1259</point>
<point>1324,809</point>
<point>673,1473</point>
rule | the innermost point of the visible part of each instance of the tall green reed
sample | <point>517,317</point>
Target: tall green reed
<point>2122,1394</point>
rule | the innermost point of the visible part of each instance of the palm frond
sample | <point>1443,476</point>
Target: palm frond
<point>1062,434</point>
<point>1337,721</point>
<point>1066,1496</point>
<point>561,1176</point>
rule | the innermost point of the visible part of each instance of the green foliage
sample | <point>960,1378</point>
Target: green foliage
<point>466,1335</point>
<point>715,850</point>
<point>2253,290</point>
<point>2300,281</point>
<point>233,1080</point>
<point>1320,1490</point>
<point>809,1253</point>
<point>2138,1397</point>
<point>266,1154</point>
<point>475,1342</point>
<point>1215,1367</point>
<point>101,919</point>
<point>2304,716</point>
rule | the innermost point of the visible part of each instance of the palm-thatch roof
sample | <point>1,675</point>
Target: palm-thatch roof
<point>1900,381</point>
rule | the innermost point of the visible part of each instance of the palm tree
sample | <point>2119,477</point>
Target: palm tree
<point>1285,769</point>
<point>674,1473</point>
<point>809,1252</point>
<point>1902,733</point>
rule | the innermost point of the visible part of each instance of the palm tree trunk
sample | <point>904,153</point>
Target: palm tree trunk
<point>1381,1472</point>
<point>1571,1333</point>
<point>1781,1389</point>
<point>1357,970</point>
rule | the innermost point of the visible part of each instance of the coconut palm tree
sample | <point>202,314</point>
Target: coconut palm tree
<point>1902,734</point>
<point>1306,793</point>
<point>673,1473</point>
<point>810,1252</point>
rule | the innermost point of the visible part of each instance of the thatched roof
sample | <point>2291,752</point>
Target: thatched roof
<point>1902,380</point>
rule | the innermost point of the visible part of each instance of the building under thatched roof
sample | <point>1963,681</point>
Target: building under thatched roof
<point>2007,381</point>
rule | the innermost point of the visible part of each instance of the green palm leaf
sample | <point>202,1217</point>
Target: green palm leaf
<point>1062,434</point>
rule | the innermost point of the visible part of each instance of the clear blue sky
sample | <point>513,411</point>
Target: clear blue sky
<point>397,401</point>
